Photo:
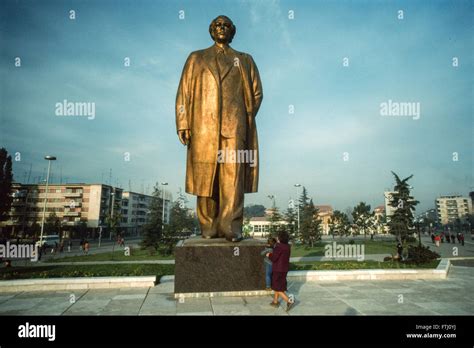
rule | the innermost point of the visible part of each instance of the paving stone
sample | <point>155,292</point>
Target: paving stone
<point>159,304</point>
<point>194,306</point>
<point>452,296</point>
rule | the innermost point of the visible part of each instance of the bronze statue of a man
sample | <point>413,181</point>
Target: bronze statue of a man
<point>218,98</point>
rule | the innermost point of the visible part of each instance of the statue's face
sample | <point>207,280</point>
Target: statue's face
<point>222,30</point>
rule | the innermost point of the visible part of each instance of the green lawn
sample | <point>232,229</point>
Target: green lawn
<point>119,255</point>
<point>370,247</point>
<point>347,265</point>
<point>86,271</point>
<point>161,270</point>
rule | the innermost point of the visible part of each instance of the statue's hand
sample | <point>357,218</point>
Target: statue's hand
<point>184,136</point>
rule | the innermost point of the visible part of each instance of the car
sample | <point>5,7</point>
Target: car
<point>48,241</point>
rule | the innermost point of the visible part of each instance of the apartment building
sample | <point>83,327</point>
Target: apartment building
<point>136,211</point>
<point>451,208</point>
<point>75,204</point>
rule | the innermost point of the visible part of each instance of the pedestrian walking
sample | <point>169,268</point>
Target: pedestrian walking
<point>280,263</point>
<point>399,250</point>
<point>453,238</point>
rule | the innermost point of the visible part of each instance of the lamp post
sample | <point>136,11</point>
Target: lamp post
<point>49,159</point>
<point>298,206</point>
<point>163,203</point>
<point>112,195</point>
<point>272,197</point>
<point>100,233</point>
<point>419,233</point>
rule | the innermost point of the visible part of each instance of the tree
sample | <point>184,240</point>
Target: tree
<point>304,199</point>
<point>6,178</point>
<point>363,218</point>
<point>291,217</point>
<point>275,222</point>
<point>52,225</point>
<point>113,222</point>
<point>254,210</point>
<point>246,228</point>
<point>180,225</point>
<point>153,228</point>
<point>80,229</point>
<point>34,229</point>
<point>380,222</point>
<point>401,222</point>
<point>339,224</point>
<point>310,224</point>
<point>303,202</point>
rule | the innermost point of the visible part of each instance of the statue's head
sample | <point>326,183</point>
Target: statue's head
<point>222,29</point>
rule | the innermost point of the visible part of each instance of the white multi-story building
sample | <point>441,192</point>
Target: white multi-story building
<point>451,208</point>
<point>389,210</point>
<point>78,205</point>
<point>259,226</point>
<point>136,211</point>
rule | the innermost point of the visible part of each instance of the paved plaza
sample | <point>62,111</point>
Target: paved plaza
<point>452,296</point>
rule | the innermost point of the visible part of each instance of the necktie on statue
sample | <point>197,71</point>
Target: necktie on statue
<point>221,62</point>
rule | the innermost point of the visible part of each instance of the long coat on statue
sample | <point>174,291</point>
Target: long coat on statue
<point>198,108</point>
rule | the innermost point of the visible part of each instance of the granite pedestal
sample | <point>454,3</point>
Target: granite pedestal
<point>218,266</point>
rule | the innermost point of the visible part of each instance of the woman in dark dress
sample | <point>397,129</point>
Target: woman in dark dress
<point>280,261</point>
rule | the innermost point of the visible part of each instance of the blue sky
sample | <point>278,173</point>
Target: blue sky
<point>300,62</point>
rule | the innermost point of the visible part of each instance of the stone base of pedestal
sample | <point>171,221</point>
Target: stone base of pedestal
<point>216,265</point>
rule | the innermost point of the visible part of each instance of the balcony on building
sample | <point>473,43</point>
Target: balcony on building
<point>73,194</point>
<point>71,223</point>
<point>68,204</point>
<point>72,213</point>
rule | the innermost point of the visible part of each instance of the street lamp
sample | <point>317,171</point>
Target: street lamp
<point>112,195</point>
<point>272,197</point>
<point>163,203</point>
<point>298,202</point>
<point>419,233</point>
<point>49,159</point>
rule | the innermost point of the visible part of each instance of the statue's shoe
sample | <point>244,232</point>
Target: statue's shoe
<point>209,234</point>
<point>234,238</point>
